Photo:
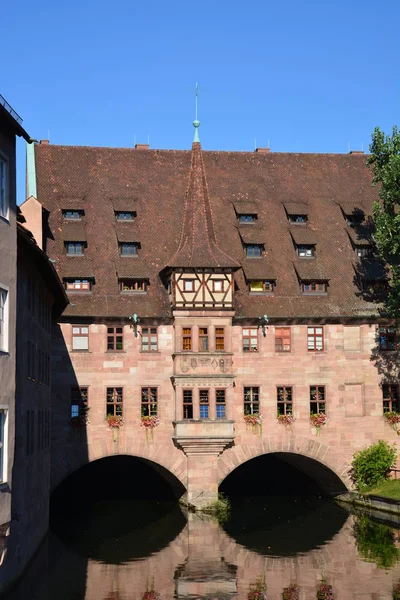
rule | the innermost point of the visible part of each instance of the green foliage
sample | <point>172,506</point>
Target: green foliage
<point>221,509</point>
<point>371,465</point>
<point>385,163</point>
<point>376,542</point>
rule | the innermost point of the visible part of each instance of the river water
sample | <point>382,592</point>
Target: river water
<point>280,548</point>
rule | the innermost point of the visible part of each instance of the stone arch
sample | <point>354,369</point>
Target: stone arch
<point>174,462</point>
<point>290,444</point>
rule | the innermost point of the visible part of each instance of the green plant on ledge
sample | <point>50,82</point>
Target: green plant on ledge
<point>393,418</point>
<point>286,420</point>
<point>258,590</point>
<point>318,420</point>
<point>220,509</point>
<point>291,593</point>
<point>115,421</point>
<point>255,422</point>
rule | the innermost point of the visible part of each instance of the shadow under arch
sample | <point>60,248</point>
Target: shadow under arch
<point>117,509</point>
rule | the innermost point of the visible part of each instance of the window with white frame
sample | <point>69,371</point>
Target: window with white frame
<point>3,189</point>
<point>3,445</point>
<point>80,337</point>
<point>3,320</point>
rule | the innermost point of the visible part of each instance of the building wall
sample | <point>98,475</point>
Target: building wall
<point>344,367</point>
<point>8,276</point>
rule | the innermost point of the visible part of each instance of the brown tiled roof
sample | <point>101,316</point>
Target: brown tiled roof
<point>303,235</point>
<point>77,266</point>
<point>252,235</point>
<point>296,208</point>
<point>159,181</point>
<point>371,268</point>
<point>310,269</point>
<point>68,203</point>
<point>131,267</point>
<point>127,232</point>
<point>350,208</point>
<point>256,269</point>
<point>124,204</point>
<point>74,231</point>
<point>360,235</point>
<point>245,207</point>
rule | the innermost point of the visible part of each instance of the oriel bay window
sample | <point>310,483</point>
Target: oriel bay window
<point>203,339</point>
<point>283,341</point>
<point>315,339</point>
<point>114,401</point>
<point>149,339</point>
<point>284,397</point>
<point>149,402</point>
<point>317,399</point>
<point>186,339</point>
<point>115,338</point>
<point>387,338</point>
<point>251,398</point>
<point>204,398</point>
<point>188,404</point>
<point>79,401</point>
<point>220,404</point>
<point>250,340</point>
<point>390,396</point>
<point>80,337</point>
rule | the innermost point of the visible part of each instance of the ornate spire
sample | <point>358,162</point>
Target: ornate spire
<point>196,122</point>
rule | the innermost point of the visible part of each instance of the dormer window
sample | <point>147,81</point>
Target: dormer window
<point>253,250</point>
<point>128,249</point>
<point>262,287</point>
<point>247,218</point>
<point>74,248</point>
<point>306,251</point>
<point>124,215</point>
<point>130,285</point>
<point>297,219</point>
<point>73,214</point>
<point>78,285</point>
<point>314,287</point>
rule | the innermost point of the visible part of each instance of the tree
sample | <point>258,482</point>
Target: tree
<point>385,163</point>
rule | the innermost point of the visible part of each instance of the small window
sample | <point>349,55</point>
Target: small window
<point>283,342</point>
<point>133,285</point>
<point>247,218</point>
<point>73,215</point>
<point>188,285</point>
<point>74,248</point>
<point>128,249</point>
<point>284,398</point>
<point>251,397</point>
<point>188,404</point>
<point>317,399</point>
<point>149,402</point>
<point>219,339</point>
<point>387,338</point>
<point>218,285</point>
<point>363,251</point>
<point>3,320</point>
<point>204,404</point>
<point>121,215</point>
<point>315,339</point>
<point>203,339</point>
<point>220,404</point>
<point>115,338</point>
<point>3,445</point>
<point>297,219</point>
<point>149,339</point>
<point>313,287</point>
<point>250,340</point>
<point>306,251</point>
<point>262,287</point>
<point>390,396</point>
<point>3,189</point>
<point>253,250</point>
<point>78,285</point>
<point>80,337</point>
<point>79,401</point>
<point>114,401</point>
<point>186,338</point>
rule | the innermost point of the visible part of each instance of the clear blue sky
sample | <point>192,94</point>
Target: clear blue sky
<point>308,75</point>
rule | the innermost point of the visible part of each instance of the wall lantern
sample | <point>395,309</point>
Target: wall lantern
<point>135,322</point>
<point>264,323</point>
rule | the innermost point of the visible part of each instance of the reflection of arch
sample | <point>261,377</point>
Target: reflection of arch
<point>174,462</point>
<point>290,445</point>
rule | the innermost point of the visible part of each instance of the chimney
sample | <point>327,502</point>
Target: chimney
<point>141,146</point>
<point>356,152</point>
<point>44,142</point>
<point>263,150</point>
